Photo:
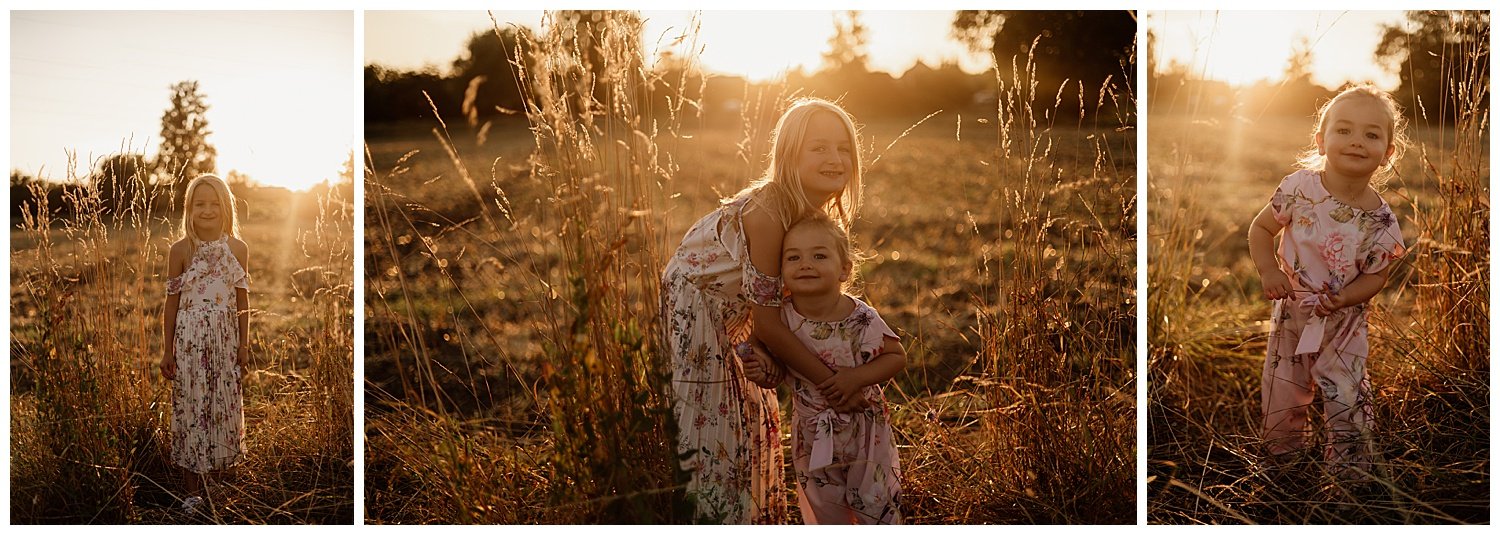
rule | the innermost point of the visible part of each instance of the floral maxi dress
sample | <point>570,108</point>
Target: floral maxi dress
<point>1325,244</point>
<point>847,468</point>
<point>727,427</point>
<point>208,424</point>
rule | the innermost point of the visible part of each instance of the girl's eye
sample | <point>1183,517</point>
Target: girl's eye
<point>820,256</point>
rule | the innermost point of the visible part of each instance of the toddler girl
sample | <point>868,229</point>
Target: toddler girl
<point>1338,240</point>
<point>847,470</point>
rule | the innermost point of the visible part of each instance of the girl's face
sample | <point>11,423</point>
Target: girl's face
<point>826,158</point>
<point>1356,137</point>
<point>810,262</point>
<point>207,213</point>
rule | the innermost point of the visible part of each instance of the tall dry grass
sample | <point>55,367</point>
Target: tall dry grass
<point>517,375</point>
<point>1429,360</point>
<point>90,414</point>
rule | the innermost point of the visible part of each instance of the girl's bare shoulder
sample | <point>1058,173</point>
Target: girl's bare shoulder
<point>238,247</point>
<point>181,248</point>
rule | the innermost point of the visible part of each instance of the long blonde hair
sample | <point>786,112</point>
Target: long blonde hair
<point>1313,160</point>
<point>226,205</point>
<point>780,188</point>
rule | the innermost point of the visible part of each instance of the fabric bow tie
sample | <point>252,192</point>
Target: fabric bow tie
<point>824,423</point>
<point>1312,334</point>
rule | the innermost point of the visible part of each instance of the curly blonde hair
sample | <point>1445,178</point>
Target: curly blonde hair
<point>1313,160</point>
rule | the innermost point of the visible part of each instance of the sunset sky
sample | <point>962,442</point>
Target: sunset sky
<point>1243,47</point>
<point>281,88</point>
<point>734,42</point>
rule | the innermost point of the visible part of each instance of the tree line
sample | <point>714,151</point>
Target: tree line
<point>1085,51</point>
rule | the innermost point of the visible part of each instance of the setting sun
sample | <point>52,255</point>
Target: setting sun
<point>86,85</point>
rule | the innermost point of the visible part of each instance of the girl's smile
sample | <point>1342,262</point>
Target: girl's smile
<point>1356,140</point>
<point>826,159</point>
<point>206,212</point>
<point>810,263</point>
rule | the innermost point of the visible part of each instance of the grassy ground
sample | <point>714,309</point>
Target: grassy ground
<point>512,374</point>
<point>90,414</point>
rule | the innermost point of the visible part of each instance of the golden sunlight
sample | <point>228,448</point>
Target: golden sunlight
<point>277,85</point>
<point>1242,48</point>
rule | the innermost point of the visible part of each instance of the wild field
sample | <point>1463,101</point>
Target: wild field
<point>1429,360</point>
<point>90,413</point>
<point>513,371</point>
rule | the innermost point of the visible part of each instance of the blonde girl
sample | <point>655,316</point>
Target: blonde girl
<point>205,322</point>
<point>722,289</point>
<point>1338,241</point>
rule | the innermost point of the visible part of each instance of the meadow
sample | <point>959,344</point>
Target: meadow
<point>90,413</point>
<point>513,371</point>
<point>1429,360</point>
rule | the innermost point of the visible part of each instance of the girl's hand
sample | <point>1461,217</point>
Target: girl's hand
<point>168,365</point>
<point>856,404</point>
<point>842,388</point>
<point>1328,304</point>
<point>243,358</point>
<point>760,368</point>
<point>1275,285</point>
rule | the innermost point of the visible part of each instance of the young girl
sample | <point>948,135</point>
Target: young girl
<point>847,470</point>
<point>722,288</point>
<point>205,321</point>
<point>1335,255</point>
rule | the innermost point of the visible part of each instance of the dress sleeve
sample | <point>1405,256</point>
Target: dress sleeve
<point>174,284</point>
<point>237,276</point>
<point>1281,201</point>
<point>1384,244</point>
<point>760,288</point>
<point>874,334</point>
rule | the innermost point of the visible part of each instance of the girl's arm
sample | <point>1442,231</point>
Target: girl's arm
<point>1361,289</point>
<point>846,383</point>
<point>169,314</point>
<point>1274,284</point>
<point>242,306</point>
<point>764,234</point>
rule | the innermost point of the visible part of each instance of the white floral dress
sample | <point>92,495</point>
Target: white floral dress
<point>728,429</point>
<point>1325,244</point>
<point>208,423</point>
<point>847,468</point>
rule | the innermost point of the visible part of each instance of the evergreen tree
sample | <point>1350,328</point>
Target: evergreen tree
<point>185,151</point>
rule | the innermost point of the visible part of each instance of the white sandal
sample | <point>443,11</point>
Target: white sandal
<point>191,504</point>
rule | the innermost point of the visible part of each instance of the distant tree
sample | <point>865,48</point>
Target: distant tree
<point>1438,44</point>
<point>185,151</point>
<point>609,58</point>
<point>847,48</point>
<point>122,181</point>
<point>486,74</point>
<point>1085,46</point>
<point>394,95</point>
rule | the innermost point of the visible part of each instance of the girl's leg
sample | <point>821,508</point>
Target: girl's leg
<point>1346,411</point>
<point>193,483</point>
<point>1285,397</point>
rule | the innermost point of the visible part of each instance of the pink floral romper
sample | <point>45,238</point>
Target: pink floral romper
<point>847,469</point>
<point>1325,244</point>
<point>728,429</point>
<point>208,425</point>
